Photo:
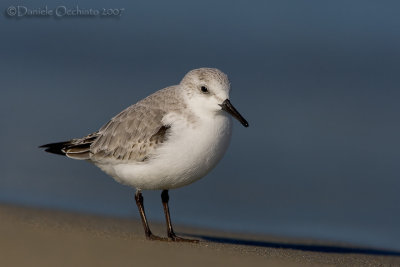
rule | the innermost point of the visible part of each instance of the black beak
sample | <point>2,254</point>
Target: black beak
<point>228,107</point>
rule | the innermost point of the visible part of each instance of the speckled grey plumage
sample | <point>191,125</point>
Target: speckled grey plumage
<point>134,133</point>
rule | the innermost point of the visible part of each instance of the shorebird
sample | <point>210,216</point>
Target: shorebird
<point>168,140</point>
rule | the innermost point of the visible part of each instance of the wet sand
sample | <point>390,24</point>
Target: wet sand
<point>39,237</point>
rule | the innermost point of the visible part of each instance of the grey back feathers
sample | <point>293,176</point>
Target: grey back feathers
<point>135,133</point>
<point>132,135</point>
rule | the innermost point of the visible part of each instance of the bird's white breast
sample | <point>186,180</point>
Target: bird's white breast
<point>192,149</point>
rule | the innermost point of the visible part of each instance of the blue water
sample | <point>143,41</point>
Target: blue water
<point>318,83</point>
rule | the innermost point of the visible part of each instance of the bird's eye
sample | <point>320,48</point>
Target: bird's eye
<point>204,89</point>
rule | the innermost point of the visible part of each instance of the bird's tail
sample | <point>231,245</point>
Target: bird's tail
<point>75,148</point>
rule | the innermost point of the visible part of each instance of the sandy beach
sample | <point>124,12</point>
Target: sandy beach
<point>39,237</point>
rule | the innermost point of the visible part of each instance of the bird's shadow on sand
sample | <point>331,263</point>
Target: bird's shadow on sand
<point>303,247</point>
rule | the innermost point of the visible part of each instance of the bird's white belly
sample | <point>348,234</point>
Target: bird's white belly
<point>189,153</point>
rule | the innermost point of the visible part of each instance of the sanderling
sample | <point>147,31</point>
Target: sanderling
<point>167,140</point>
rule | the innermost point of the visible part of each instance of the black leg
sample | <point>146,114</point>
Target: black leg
<point>139,203</point>
<point>171,235</point>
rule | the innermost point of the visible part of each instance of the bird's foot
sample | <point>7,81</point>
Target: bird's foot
<point>155,237</point>
<point>175,238</point>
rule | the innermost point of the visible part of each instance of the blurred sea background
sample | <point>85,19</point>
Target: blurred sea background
<point>318,82</point>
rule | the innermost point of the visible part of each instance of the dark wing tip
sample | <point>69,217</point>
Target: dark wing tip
<point>55,148</point>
